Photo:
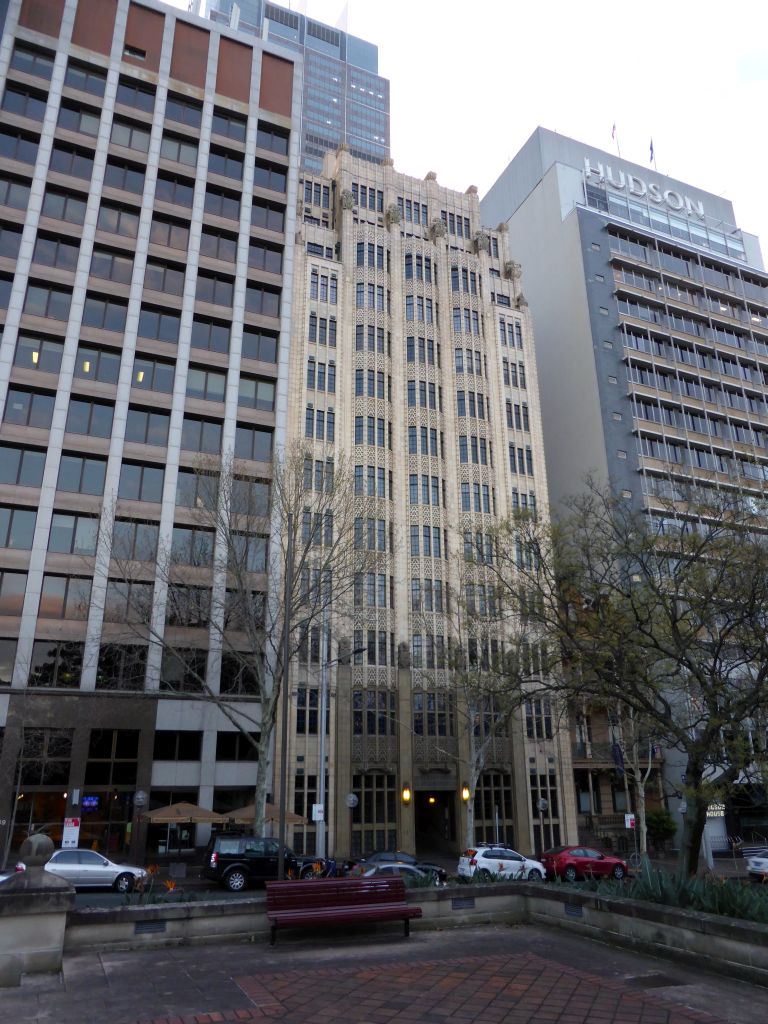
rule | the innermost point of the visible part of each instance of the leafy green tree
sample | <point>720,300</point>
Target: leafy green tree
<point>667,614</point>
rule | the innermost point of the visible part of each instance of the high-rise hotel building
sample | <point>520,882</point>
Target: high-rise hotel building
<point>651,313</point>
<point>412,360</point>
<point>148,183</point>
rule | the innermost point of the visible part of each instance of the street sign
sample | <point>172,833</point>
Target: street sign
<point>71,834</point>
<point>629,821</point>
<point>318,812</point>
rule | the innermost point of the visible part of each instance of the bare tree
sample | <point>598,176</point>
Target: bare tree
<point>667,615</point>
<point>221,586</point>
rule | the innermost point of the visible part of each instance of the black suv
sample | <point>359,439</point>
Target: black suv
<point>233,860</point>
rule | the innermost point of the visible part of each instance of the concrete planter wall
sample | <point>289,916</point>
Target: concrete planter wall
<point>723,944</point>
<point>32,929</point>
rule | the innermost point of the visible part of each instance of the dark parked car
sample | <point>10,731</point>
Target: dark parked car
<point>362,865</point>
<point>572,862</point>
<point>235,860</point>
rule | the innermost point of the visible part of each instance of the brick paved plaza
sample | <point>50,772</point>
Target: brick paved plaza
<point>493,974</point>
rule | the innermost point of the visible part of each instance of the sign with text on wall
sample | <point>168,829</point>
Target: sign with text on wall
<point>71,834</point>
<point>629,821</point>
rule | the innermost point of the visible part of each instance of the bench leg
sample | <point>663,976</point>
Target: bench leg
<point>273,935</point>
<point>407,924</point>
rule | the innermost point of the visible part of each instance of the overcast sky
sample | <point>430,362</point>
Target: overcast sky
<point>471,80</point>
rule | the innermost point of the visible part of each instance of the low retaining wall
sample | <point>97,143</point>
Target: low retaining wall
<point>722,944</point>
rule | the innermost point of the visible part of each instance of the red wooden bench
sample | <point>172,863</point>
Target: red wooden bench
<point>333,901</point>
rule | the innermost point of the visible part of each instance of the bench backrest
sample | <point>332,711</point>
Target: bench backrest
<point>333,892</point>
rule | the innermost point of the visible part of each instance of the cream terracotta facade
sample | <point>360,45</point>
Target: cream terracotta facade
<point>389,266</point>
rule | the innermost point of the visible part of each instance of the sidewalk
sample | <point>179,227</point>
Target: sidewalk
<point>489,975</point>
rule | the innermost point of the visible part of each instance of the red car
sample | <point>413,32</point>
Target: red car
<point>572,862</point>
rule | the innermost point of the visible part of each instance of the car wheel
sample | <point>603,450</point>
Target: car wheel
<point>618,872</point>
<point>570,873</point>
<point>235,881</point>
<point>534,875</point>
<point>484,875</point>
<point>124,882</point>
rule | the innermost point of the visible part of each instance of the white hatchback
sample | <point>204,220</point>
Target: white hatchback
<point>499,862</point>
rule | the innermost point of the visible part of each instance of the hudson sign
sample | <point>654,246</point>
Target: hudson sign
<point>634,186</point>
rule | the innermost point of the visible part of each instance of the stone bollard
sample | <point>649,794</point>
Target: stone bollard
<point>33,915</point>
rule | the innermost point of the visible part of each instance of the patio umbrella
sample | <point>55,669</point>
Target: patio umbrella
<point>183,813</point>
<point>244,815</point>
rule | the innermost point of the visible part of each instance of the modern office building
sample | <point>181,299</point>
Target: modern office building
<point>148,186</point>
<point>412,361</point>
<point>345,100</point>
<point>651,313</point>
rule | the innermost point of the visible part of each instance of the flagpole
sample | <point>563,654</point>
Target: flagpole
<point>615,137</point>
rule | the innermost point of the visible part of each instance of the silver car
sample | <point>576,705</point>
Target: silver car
<point>86,869</point>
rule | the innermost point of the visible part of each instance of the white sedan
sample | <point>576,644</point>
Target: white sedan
<point>86,869</point>
<point>488,862</point>
<point>757,866</point>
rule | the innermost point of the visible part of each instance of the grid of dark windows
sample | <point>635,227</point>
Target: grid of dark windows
<point>267,215</point>
<point>32,61</point>
<point>153,375</point>
<point>14,193</point>
<point>70,160</point>
<point>162,326</point>
<point>17,527</point>
<point>111,266</point>
<point>28,408</point>
<point>26,102</point>
<point>211,335</point>
<point>172,189</point>
<point>171,233</point>
<point>125,176</point>
<point>56,665</point>
<point>229,125</point>
<point>17,145</point>
<point>81,475</point>
<point>85,78</point>
<point>141,483</point>
<point>73,534</point>
<point>106,314</point>
<point>118,220</point>
<point>131,94</point>
<point>21,466</point>
<point>64,597</point>
<point>12,588</point>
<point>198,435</point>
<point>91,418</point>
<point>66,206</point>
<point>121,667</point>
<point>147,427</point>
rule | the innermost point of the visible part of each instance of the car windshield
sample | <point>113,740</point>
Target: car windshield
<point>553,851</point>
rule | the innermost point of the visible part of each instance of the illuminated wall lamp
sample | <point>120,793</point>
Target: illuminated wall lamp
<point>465,792</point>
<point>406,794</point>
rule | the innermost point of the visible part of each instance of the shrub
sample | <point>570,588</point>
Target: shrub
<point>726,897</point>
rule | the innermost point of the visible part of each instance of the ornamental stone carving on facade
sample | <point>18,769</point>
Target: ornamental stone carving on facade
<point>347,199</point>
<point>392,214</point>
<point>482,242</point>
<point>437,229</point>
<point>512,270</point>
